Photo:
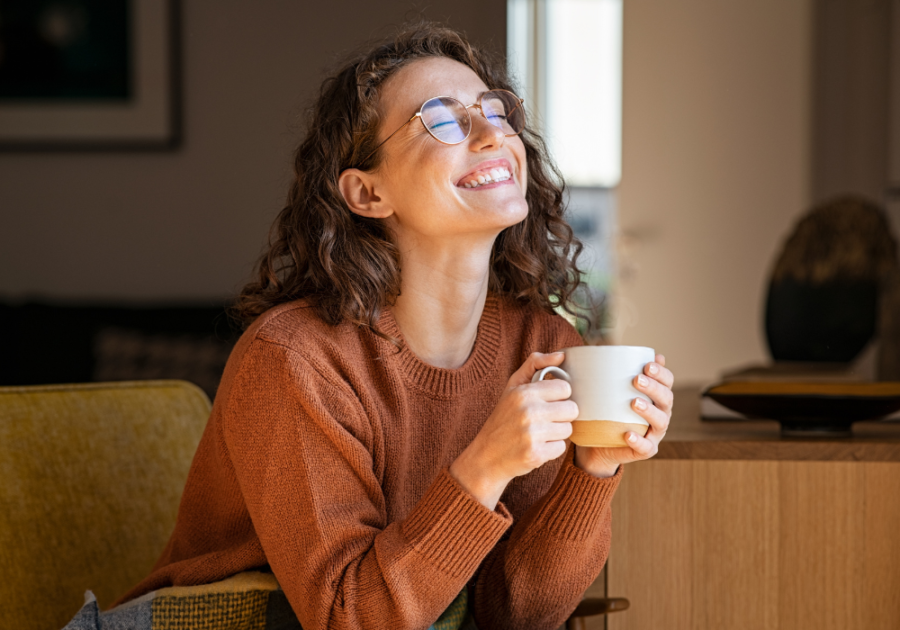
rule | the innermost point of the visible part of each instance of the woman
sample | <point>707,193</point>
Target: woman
<point>379,406</point>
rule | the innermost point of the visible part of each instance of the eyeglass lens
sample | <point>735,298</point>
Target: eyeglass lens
<point>448,120</point>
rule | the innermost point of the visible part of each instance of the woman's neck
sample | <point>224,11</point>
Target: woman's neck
<point>442,294</point>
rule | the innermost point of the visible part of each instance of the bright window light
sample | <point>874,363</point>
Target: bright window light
<point>567,54</point>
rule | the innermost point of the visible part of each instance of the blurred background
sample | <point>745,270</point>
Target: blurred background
<point>146,151</point>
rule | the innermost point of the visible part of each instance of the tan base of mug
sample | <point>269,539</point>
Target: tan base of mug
<point>604,432</point>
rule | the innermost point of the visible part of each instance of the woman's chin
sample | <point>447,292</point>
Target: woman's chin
<point>508,214</point>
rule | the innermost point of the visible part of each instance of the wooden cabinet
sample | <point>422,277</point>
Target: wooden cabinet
<point>732,527</point>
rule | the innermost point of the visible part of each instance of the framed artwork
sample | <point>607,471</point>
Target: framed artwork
<point>894,102</point>
<point>89,75</point>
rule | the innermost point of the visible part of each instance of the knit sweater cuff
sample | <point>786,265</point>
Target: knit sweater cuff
<point>577,502</point>
<point>451,528</point>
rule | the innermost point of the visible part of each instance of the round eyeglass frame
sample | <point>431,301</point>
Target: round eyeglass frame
<point>466,108</point>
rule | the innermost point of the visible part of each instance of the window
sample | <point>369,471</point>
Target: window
<point>566,56</point>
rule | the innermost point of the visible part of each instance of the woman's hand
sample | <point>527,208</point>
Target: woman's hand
<point>656,382</point>
<point>527,428</point>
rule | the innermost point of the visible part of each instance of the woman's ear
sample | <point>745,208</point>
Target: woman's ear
<point>358,189</point>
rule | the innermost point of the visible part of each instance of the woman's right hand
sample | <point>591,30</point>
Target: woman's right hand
<point>527,428</point>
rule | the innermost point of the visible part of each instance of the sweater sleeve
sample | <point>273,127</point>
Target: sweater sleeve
<point>537,576</point>
<point>301,450</point>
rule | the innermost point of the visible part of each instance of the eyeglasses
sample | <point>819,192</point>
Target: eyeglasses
<point>448,120</point>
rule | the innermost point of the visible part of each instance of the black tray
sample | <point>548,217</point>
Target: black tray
<point>807,408</point>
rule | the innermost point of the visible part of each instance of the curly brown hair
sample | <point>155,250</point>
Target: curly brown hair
<point>346,265</point>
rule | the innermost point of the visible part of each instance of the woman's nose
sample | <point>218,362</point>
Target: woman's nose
<point>484,134</point>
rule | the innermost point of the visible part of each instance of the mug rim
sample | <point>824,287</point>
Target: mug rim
<point>620,347</point>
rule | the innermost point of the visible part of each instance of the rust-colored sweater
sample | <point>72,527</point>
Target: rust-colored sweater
<point>326,457</point>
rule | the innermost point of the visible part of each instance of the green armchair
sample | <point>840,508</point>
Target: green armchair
<point>91,480</point>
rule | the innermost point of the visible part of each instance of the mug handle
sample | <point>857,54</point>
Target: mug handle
<point>539,375</point>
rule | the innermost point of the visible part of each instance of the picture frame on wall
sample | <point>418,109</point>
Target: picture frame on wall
<point>890,362</point>
<point>89,75</point>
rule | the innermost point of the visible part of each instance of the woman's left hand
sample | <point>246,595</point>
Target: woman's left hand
<point>656,382</point>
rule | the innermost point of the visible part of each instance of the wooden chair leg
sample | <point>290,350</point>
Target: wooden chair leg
<point>593,606</point>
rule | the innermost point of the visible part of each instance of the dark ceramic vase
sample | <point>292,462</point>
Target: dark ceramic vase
<point>825,322</point>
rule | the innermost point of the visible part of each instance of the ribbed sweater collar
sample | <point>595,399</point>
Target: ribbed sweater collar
<point>443,382</point>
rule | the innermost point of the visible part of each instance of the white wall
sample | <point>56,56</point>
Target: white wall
<point>851,94</point>
<point>188,225</point>
<point>716,166</point>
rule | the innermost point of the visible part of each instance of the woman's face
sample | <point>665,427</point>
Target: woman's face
<point>423,181</point>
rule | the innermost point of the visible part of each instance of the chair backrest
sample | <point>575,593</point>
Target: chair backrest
<point>90,480</point>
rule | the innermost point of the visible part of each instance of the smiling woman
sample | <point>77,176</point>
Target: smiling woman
<point>319,248</point>
<point>380,401</point>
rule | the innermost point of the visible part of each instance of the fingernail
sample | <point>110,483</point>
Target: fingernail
<point>640,403</point>
<point>654,368</point>
<point>642,380</point>
<point>632,437</point>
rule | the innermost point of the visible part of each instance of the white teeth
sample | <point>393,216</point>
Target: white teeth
<point>494,175</point>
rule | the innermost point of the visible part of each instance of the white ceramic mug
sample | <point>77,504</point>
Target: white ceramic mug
<point>602,385</point>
